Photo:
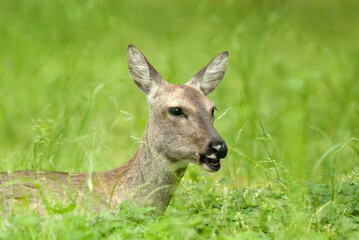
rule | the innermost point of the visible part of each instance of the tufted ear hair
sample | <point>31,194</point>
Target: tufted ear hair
<point>208,78</point>
<point>142,72</point>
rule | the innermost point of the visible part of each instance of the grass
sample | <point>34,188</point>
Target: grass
<point>288,109</point>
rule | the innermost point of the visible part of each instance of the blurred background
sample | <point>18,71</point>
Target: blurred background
<point>288,104</point>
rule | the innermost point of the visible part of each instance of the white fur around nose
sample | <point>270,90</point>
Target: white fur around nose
<point>212,156</point>
<point>206,167</point>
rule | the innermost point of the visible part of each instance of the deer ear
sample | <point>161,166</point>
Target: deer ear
<point>143,74</point>
<point>208,78</point>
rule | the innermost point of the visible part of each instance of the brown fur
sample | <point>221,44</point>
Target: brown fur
<point>152,175</point>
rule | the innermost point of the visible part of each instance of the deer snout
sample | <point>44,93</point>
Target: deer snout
<point>218,147</point>
<point>216,150</point>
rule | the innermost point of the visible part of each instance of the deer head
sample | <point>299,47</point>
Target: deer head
<point>180,126</point>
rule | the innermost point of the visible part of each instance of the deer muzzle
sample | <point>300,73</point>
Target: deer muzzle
<point>216,150</point>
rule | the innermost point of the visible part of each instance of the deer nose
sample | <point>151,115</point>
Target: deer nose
<point>219,147</point>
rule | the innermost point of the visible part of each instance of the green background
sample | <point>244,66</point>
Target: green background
<point>288,104</point>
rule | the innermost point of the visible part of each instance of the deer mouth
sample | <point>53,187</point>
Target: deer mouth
<point>210,163</point>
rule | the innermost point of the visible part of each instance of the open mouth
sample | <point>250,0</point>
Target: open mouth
<point>210,163</point>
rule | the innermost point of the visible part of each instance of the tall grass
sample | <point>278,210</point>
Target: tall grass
<point>288,110</point>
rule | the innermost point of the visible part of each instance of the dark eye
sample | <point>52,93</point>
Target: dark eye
<point>213,111</point>
<point>175,111</point>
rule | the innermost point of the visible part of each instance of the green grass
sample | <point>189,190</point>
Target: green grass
<point>288,109</point>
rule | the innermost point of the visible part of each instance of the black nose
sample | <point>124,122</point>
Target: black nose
<point>218,147</point>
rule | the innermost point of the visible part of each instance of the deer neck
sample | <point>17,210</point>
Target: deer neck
<point>150,178</point>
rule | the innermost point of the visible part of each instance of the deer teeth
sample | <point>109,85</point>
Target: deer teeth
<point>211,162</point>
<point>214,164</point>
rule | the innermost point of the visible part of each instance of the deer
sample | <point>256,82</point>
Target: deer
<point>179,131</point>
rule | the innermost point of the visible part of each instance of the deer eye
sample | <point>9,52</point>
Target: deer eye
<point>175,111</point>
<point>213,111</point>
